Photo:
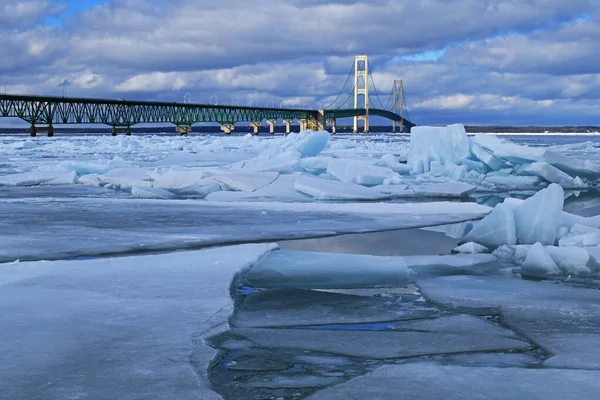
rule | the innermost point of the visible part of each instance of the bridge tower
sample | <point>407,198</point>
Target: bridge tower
<point>361,87</point>
<point>398,104</point>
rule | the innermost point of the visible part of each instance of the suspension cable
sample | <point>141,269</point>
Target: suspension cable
<point>342,91</point>
<point>387,103</point>
<point>406,105</point>
<point>374,87</point>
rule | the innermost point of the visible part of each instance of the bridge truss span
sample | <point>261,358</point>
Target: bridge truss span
<point>64,110</point>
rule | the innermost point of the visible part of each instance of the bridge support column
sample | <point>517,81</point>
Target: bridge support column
<point>126,130</point>
<point>288,124</point>
<point>303,125</point>
<point>333,123</point>
<point>365,127</point>
<point>183,129</point>
<point>33,130</point>
<point>255,126</point>
<point>227,128</point>
<point>272,123</point>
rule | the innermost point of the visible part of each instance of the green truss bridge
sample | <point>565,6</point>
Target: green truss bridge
<point>43,112</point>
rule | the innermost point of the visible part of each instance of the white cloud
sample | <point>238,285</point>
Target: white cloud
<point>503,59</point>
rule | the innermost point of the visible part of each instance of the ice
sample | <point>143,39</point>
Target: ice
<point>131,327</point>
<point>454,260</point>
<point>281,189</point>
<point>136,225</point>
<point>571,260</point>
<point>292,381</point>
<point>537,218</point>
<point>381,344</point>
<point>563,320</point>
<point>309,270</point>
<point>399,189</point>
<point>307,143</point>
<point>177,178</point>
<point>315,165</point>
<point>550,174</point>
<point>150,193</point>
<point>29,178</point>
<point>444,144</point>
<point>294,307</point>
<point>594,261</point>
<point>126,178</point>
<point>202,188</point>
<point>471,248</point>
<point>446,382</point>
<point>460,323</point>
<point>494,230</point>
<point>579,229</point>
<point>324,189</point>
<point>586,239</point>
<point>446,190</point>
<point>486,157</point>
<point>513,181</point>
<point>538,263</point>
<point>391,161</point>
<point>65,178</point>
<point>246,181</point>
<point>358,172</point>
<point>517,154</point>
<point>284,162</point>
<point>511,253</point>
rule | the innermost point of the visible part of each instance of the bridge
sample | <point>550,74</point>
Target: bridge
<point>44,112</point>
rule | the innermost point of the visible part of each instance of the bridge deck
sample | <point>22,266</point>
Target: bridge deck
<point>125,113</point>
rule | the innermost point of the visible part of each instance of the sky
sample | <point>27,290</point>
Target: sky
<point>490,62</point>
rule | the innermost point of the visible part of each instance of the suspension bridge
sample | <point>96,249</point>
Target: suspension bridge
<point>43,112</point>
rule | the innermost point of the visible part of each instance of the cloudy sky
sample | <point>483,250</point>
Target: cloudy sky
<point>509,62</point>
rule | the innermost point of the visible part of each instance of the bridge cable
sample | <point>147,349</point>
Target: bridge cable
<point>342,91</point>
<point>348,98</point>
<point>406,106</point>
<point>374,87</point>
<point>387,103</point>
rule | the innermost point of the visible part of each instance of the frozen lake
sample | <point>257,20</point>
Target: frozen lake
<point>309,266</point>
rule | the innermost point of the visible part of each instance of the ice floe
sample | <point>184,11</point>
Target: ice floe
<point>137,324</point>
<point>441,162</point>
<point>560,240</point>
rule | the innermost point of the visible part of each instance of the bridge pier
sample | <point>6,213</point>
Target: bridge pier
<point>288,124</point>
<point>227,128</point>
<point>365,127</point>
<point>183,129</point>
<point>333,123</point>
<point>255,126</point>
<point>33,130</point>
<point>303,125</point>
<point>272,123</point>
<point>126,130</point>
<point>319,123</point>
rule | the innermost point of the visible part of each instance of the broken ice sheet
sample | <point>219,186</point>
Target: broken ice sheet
<point>552,315</point>
<point>293,307</point>
<point>437,382</point>
<point>309,270</point>
<point>380,344</point>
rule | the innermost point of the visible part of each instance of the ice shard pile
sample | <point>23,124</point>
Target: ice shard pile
<point>441,162</point>
<point>492,163</point>
<point>539,236</point>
